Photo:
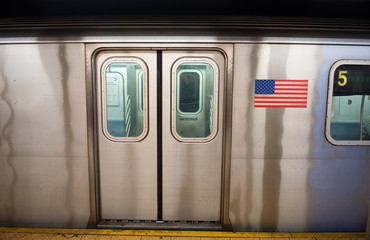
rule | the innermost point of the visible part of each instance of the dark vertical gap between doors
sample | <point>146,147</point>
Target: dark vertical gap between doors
<point>159,138</point>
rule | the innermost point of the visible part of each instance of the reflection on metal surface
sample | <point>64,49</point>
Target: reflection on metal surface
<point>47,134</point>
<point>312,58</point>
<point>271,179</point>
<point>285,176</point>
<point>6,145</point>
<point>340,175</point>
<point>273,148</point>
<point>127,171</point>
<point>61,72</point>
<point>192,171</point>
<point>69,139</point>
<point>290,187</point>
<point>241,203</point>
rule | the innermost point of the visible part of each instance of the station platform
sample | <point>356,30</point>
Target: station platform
<point>114,234</point>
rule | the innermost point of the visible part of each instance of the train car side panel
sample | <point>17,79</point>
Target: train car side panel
<point>43,144</point>
<point>285,176</point>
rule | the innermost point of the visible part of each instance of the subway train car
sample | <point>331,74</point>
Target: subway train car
<point>240,124</point>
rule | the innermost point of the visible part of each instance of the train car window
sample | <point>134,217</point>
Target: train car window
<point>124,100</point>
<point>348,119</point>
<point>194,111</point>
<point>189,84</point>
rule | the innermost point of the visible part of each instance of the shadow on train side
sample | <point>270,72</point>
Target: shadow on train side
<point>60,70</point>
<point>6,145</point>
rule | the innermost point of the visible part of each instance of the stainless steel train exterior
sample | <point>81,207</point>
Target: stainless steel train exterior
<point>160,125</point>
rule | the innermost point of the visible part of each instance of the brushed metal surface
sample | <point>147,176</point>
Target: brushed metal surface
<point>128,170</point>
<point>192,171</point>
<point>43,144</point>
<point>285,176</point>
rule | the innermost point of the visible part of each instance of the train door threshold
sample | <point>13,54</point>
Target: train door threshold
<point>170,225</point>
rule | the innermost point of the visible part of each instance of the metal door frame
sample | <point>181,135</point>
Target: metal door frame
<point>91,50</point>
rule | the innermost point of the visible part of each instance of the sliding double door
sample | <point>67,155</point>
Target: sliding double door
<point>159,135</point>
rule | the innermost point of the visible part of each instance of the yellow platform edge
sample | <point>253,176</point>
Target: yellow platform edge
<point>171,233</point>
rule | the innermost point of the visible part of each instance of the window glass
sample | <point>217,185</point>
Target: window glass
<point>196,84</point>
<point>123,100</point>
<point>350,108</point>
<point>140,91</point>
<point>189,82</point>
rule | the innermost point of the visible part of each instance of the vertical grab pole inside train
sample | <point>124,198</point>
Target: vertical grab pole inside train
<point>362,115</point>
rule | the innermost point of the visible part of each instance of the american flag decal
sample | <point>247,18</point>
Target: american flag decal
<point>270,93</point>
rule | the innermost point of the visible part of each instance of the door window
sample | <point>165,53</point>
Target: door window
<point>194,110</point>
<point>124,114</point>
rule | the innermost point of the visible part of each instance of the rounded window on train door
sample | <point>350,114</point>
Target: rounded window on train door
<point>124,99</point>
<point>194,99</point>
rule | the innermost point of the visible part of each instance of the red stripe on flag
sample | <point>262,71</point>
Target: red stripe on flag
<point>290,81</point>
<point>291,85</point>
<point>291,89</point>
<point>298,102</point>
<point>275,97</point>
<point>290,93</point>
<point>281,106</point>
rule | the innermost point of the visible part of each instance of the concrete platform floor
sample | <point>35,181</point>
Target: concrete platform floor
<point>112,234</point>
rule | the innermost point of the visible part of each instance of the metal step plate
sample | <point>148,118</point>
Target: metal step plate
<point>171,225</point>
